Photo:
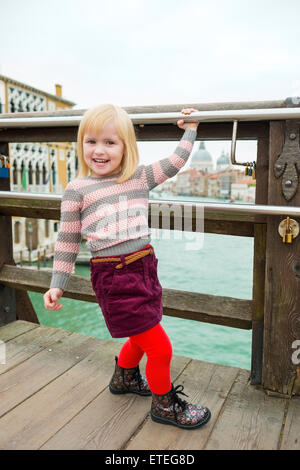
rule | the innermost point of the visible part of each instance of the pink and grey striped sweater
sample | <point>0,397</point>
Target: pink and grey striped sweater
<point>111,217</point>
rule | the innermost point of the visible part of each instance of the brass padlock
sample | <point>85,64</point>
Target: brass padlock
<point>288,229</point>
<point>288,232</point>
<point>289,236</point>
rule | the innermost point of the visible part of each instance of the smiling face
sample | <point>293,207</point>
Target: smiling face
<point>103,151</point>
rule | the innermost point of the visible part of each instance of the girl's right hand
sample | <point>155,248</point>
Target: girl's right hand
<point>51,298</point>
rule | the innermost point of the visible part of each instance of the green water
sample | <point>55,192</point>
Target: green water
<point>223,266</point>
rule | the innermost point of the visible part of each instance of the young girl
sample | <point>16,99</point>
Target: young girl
<point>107,204</point>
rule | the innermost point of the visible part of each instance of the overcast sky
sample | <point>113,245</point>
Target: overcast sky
<point>140,52</point>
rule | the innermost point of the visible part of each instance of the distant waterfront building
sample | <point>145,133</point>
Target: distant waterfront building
<point>226,179</point>
<point>213,185</point>
<point>201,160</point>
<point>243,190</point>
<point>184,182</point>
<point>200,184</point>
<point>36,167</point>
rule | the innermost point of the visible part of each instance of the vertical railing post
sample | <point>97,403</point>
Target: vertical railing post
<point>259,262</point>
<point>7,295</point>
<point>282,282</point>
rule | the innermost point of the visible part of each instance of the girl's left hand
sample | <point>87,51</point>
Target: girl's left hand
<point>187,125</point>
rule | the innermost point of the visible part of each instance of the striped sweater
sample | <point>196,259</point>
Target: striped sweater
<point>111,217</point>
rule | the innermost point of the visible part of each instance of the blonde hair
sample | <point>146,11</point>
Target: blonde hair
<point>93,121</point>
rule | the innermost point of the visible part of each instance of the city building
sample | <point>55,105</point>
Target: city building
<point>185,182</point>
<point>203,180</point>
<point>36,167</point>
<point>243,190</point>
<point>213,185</point>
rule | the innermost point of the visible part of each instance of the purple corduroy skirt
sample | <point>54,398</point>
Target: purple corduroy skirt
<point>131,297</point>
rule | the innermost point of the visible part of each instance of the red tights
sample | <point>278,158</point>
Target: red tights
<point>157,346</point>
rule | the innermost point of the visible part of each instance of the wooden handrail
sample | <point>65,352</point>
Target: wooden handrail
<point>220,310</point>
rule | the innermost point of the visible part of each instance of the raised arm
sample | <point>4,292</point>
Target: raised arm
<point>160,171</point>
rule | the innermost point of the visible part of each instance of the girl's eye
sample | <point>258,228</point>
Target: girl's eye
<point>90,141</point>
<point>109,142</point>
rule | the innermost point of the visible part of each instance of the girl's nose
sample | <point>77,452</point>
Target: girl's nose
<point>99,150</point>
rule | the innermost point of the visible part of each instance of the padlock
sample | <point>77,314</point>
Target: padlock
<point>289,236</point>
<point>254,171</point>
<point>289,230</point>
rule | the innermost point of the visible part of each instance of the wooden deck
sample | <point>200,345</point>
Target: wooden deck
<point>54,395</point>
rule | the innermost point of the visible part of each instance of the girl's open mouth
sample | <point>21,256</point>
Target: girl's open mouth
<point>100,161</point>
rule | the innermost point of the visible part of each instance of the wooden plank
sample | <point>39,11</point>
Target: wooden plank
<point>282,288</point>
<point>248,420</point>
<point>205,131</point>
<point>50,209</point>
<point>14,329</point>
<point>25,309</point>
<point>291,430</point>
<point>34,208</point>
<point>215,309</point>
<point>219,310</point>
<point>149,132</point>
<point>31,342</point>
<point>29,376</point>
<point>235,228</point>
<point>259,262</point>
<point>108,421</point>
<point>204,383</point>
<point>34,421</point>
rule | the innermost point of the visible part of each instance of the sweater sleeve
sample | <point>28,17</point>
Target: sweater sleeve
<point>69,238</point>
<point>160,171</point>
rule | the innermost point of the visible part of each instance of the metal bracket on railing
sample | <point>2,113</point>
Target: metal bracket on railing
<point>250,166</point>
<point>287,164</point>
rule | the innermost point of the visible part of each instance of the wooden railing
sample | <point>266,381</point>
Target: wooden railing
<point>273,311</point>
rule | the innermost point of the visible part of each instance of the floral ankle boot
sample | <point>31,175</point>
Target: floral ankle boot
<point>128,381</point>
<point>170,409</point>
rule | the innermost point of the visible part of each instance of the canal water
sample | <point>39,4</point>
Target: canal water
<point>212,264</point>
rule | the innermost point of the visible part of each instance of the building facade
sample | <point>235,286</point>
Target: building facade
<point>36,167</point>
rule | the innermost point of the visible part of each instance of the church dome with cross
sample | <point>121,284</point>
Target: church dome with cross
<point>202,160</point>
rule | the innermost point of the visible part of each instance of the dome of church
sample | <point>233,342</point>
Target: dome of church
<point>223,159</point>
<point>201,155</point>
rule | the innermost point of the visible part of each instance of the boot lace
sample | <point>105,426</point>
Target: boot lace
<point>179,390</point>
